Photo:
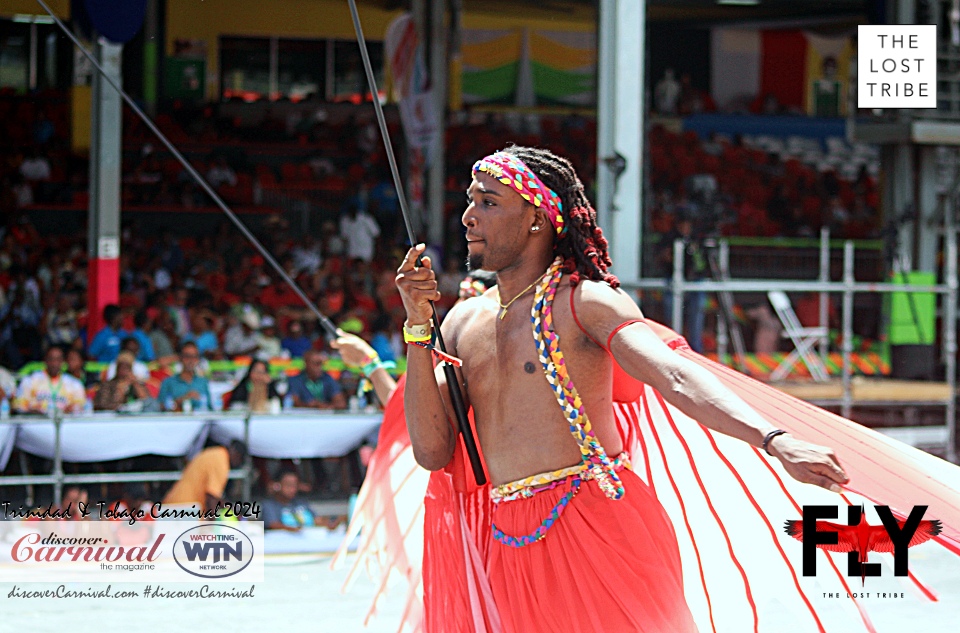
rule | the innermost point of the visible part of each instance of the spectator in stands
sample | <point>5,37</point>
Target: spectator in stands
<point>360,231</point>
<point>278,296</point>
<point>140,322</point>
<point>205,478</point>
<point>72,496</point>
<point>179,310</point>
<point>77,367</point>
<point>162,334</point>
<point>8,384</point>
<point>19,327</point>
<point>667,94</point>
<point>381,341</point>
<point>123,388</point>
<point>186,385</point>
<point>267,340</point>
<point>315,388</point>
<point>256,389</point>
<point>106,344</point>
<point>35,167</point>
<point>61,321</point>
<point>283,511</point>
<point>307,257</point>
<point>295,342</point>
<point>51,385</point>
<point>242,339</point>
<point>140,369</point>
<point>221,174</point>
<point>201,333</point>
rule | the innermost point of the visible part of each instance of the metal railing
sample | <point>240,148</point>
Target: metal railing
<point>848,286</point>
<point>58,478</point>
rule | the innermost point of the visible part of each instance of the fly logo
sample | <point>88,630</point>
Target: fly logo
<point>213,551</point>
<point>858,537</point>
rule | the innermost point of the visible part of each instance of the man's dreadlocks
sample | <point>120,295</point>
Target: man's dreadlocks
<point>582,246</point>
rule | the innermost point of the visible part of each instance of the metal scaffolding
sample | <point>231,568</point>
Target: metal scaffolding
<point>848,286</point>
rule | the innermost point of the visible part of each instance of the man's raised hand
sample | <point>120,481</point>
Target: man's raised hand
<point>418,286</point>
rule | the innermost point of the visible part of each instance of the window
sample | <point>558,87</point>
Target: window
<point>271,68</point>
<point>244,68</point>
<point>350,81</point>
<point>301,68</point>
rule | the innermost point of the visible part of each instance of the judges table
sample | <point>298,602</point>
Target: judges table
<point>299,433</point>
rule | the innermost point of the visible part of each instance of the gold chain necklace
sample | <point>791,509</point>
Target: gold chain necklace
<point>503,308</point>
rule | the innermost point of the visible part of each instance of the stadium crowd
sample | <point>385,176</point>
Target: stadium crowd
<point>214,294</point>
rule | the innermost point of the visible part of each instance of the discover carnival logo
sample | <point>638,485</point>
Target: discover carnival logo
<point>213,551</point>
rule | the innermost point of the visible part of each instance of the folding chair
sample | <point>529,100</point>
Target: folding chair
<point>803,338</point>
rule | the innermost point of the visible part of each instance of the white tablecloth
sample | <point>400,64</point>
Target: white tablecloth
<point>103,437</point>
<point>296,434</point>
<point>108,436</point>
<point>8,434</point>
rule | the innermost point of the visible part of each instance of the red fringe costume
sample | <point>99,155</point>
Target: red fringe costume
<point>725,499</point>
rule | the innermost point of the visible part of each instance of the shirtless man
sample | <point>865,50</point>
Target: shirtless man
<point>522,431</point>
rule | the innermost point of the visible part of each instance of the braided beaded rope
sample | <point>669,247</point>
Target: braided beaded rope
<point>595,461</point>
<point>554,367</point>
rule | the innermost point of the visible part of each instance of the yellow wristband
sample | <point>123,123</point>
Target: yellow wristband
<point>417,333</point>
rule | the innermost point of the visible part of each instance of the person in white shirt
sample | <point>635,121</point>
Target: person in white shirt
<point>267,339</point>
<point>361,232</point>
<point>48,385</point>
<point>242,339</point>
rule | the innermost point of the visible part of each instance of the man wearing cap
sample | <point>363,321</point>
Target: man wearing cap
<point>267,340</point>
<point>242,339</point>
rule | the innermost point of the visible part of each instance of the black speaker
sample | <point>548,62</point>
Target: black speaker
<point>913,362</point>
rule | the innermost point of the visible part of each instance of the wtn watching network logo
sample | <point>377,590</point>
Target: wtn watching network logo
<point>859,537</point>
<point>213,551</point>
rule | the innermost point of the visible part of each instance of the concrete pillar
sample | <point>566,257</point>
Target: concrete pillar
<point>620,131</point>
<point>105,166</point>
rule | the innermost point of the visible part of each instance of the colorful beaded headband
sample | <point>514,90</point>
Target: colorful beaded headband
<point>512,171</point>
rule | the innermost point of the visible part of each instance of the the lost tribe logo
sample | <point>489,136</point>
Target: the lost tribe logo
<point>858,537</point>
<point>213,552</point>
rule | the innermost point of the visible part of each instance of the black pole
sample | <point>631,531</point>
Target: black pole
<point>453,384</point>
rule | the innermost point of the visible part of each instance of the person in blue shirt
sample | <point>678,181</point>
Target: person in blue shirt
<point>283,511</point>
<point>106,344</point>
<point>146,353</point>
<point>295,342</point>
<point>186,385</point>
<point>381,337</point>
<point>315,388</point>
<point>202,335</point>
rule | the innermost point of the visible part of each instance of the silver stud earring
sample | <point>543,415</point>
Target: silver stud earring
<point>536,228</point>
